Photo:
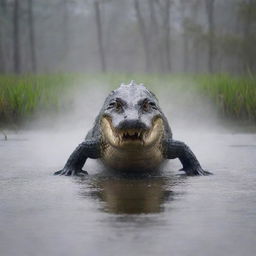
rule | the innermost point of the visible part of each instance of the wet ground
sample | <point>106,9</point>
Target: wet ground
<point>167,214</point>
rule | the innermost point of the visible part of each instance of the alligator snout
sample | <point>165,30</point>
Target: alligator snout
<point>132,124</point>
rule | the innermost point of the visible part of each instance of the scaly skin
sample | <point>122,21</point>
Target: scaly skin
<point>131,133</point>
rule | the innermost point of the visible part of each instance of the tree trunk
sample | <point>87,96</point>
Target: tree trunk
<point>154,37</point>
<point>2,37</point>
<point>144,35</point>
<point>248,45</point>
<point>100,38</point>
<point>211,33</point>
<point>196,40</point>
<point>167,34</point>
<point>16,38</point>
<point>31,26</point>
<point>185,41</point>
<point>164,49</point>
<point>65,31</point>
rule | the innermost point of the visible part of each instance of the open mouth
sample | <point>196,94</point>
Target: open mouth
<point>132,137</point>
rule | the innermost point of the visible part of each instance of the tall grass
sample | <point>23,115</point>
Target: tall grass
<point>22,96</point>
<point>234,96</point>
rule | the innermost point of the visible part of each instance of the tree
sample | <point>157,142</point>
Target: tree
<point>143,32</point>
<point>197,33</point>
<point>31,27</point>
<point>247,12</point>
<point>166,23</point>
<point>3,9</point>
<point>16,37</point>
<point>211,32</point>
<point>164,49</point>
<point>154,35</point>
<point>99,33</point>
<point>185,39</point>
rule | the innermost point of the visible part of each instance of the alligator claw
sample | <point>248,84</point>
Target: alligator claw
<point>71,172</point>
<point>198,171</point>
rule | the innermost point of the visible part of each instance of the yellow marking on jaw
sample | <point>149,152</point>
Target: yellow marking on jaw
<point>132,137</point>
<point>154,133</point>
<point>108,132</point>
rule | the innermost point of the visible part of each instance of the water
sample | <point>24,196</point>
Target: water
<point>168,214</point>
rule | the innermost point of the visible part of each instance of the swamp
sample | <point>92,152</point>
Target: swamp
<point>59,60</point>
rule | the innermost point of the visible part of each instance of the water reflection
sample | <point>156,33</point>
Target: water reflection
<point>131,195</point>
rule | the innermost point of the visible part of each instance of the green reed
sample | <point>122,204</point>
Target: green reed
<point>22,97</point>
<point>234,96</point>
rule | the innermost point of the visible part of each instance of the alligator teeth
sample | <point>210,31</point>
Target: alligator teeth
<point>132,135</point>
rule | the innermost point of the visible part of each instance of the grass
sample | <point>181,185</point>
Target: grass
<point>21,97</point>
<point>235,97</point>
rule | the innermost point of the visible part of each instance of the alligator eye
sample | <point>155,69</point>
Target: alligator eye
<point>145,106</point>
<point>111,105</point>
<point>118,106</point>
<point>153,105</point>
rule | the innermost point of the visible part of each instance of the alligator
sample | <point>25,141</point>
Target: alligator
<point>131,134</point>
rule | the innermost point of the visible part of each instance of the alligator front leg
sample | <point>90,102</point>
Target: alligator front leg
<point>87,149</point>
<point>178,149</point>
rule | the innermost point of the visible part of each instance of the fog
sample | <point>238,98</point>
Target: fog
<point>192,117</point>
<point>103,214</point>
<point>127,35</point>
<point>43,214</point>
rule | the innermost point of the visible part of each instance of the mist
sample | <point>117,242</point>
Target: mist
<point>55,135</point>
<point>166,36</point>
<point>59,59</point>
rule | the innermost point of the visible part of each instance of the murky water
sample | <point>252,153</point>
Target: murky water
<point>169,214</point>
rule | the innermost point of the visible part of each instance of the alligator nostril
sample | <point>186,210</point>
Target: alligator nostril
<point>131,124</point>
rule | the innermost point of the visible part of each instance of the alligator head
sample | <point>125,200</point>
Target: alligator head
<point>132,118</point>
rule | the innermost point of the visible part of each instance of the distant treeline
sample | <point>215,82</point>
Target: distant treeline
<point>166,36</point>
